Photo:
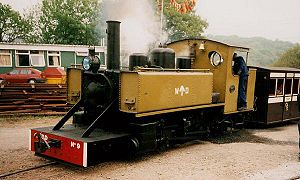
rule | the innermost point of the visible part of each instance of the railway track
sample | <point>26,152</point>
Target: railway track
<point>27,169</point>
<point>33,99</point>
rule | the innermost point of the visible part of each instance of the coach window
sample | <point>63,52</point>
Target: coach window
<point>37,58</point>
<point>288,86</point>
<point>22,58</point>
<point>5,58</point>
<point>272,87</point>
<point>279,87</point>
<point>54,58</point>
<point>295,86</point>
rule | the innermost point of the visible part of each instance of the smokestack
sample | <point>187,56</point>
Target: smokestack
<point>113,45</point>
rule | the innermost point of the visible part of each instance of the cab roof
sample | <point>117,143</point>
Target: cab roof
<point>241,48</point>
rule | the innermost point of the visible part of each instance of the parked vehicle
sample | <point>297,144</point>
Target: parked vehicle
<point>23,75</point>
<point>54,75</point>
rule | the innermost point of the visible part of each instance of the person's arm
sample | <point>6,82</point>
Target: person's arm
<point>240,66</point>
<point>236,68</point>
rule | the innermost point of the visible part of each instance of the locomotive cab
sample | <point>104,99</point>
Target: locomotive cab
<point>218,58</point>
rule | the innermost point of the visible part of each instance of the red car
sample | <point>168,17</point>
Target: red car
<point>23,75</point>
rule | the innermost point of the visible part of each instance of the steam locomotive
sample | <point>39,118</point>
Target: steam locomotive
<point>147,107</point>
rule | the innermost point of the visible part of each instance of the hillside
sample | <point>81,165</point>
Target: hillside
<point>264,52</point>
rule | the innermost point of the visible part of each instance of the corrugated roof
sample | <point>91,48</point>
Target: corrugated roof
<point>52,47</point>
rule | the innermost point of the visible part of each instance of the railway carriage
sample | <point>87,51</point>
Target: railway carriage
<point>276,93</point>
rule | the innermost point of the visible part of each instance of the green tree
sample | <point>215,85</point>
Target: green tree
<point>69,22</point>
<point>33,17</point>
<point>290,58</point>
<point>180,26</point>
<point>12,25</point>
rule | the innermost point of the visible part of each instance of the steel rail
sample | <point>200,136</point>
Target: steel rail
<point>25,170</point>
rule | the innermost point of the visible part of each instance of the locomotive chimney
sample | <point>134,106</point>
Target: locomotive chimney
<point>113,45</point>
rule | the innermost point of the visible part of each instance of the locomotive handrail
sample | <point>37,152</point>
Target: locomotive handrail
<point>93,126</point>
<point>67,116</point>
<point>171,70</point>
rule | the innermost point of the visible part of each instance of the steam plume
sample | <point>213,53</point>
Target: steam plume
<point>140,24</point>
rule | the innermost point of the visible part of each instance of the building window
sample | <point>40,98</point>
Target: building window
<point>37,58</point>
<point>54,58</point>
<point>102,58</point>
<point>82,54</point>
<point>22,58</point>
<point>5,58</point>
<point>30,58</point>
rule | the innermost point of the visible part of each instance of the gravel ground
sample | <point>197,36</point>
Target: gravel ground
<point>247,154</point>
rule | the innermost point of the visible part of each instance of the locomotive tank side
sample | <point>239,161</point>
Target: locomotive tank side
<point>74,76</point>
<point>148,92</point>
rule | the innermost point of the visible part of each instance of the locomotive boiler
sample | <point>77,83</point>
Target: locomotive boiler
<point>183,90</point>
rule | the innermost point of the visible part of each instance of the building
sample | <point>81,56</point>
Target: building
<point>41,56</point>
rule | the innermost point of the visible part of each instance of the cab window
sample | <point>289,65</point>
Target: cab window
<point>244,54</point>
<point>215,58</point>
